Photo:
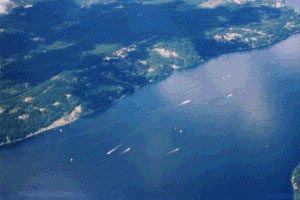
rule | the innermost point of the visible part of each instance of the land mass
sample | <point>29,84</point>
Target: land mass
<point>295,180</point>
<point>62,59</point>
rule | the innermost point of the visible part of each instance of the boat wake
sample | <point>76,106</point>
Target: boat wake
<point>113,150</point>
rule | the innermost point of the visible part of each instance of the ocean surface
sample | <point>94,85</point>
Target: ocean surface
<point>228,129</point>
<point>294,3</point>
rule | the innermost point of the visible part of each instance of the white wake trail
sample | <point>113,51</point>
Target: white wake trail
<point>173,151</point>
<point>126,150</point>
<point>185,102</point>
<point>112,150</point>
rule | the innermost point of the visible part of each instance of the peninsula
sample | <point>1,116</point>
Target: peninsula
<point>63,59</point>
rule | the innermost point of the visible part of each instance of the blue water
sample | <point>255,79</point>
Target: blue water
<point>238,138</point>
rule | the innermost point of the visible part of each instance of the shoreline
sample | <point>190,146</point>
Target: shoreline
<point>75,114</point>
<point>63,121</point>
<point>295,182</point>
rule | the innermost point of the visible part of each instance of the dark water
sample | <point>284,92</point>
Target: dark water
<point>239,138</point>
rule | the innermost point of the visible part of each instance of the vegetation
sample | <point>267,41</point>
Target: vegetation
<point>59,54</point>
<point>296,182</point>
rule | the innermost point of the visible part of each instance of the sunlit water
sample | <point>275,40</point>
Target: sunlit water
<point>294,3</point>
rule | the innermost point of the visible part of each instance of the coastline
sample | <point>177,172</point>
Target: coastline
<point>75,115</point>
<point>295,182</point>
<point>63,121</point>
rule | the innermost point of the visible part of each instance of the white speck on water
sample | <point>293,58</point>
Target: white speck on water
<point>225,77</point>
<point>229,95</point>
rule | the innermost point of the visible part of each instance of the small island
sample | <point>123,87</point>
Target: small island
<point>61,60</point>
<point>295,180</point>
